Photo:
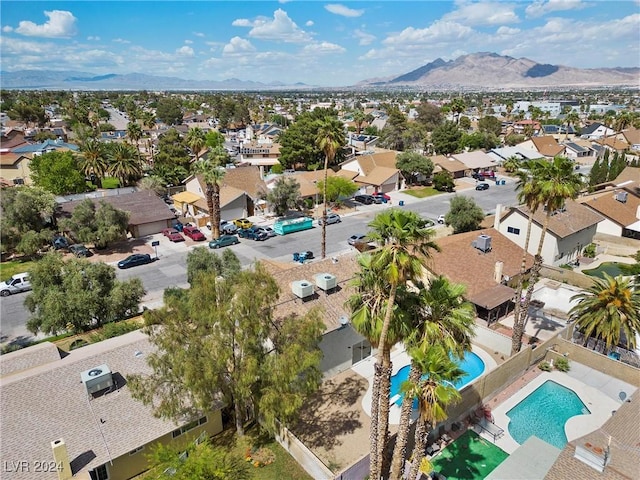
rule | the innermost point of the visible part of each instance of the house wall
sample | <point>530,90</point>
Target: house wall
<point>569,248</point>
<point>236,209</point>
<point>18,170</point>
<point>127,466</point>
<point>609,227</point>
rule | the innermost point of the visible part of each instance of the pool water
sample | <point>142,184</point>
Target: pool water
<point>471,364</point>
<point>544,413</point>
<point>610,268</point>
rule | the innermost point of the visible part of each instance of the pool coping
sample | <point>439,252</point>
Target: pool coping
<point>599,404</point>
<point>400,358</point>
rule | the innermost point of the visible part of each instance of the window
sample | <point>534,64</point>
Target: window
<point>514,230</point>
<point>188,426</point>
<point>136,450</point>
<point>100,473</point>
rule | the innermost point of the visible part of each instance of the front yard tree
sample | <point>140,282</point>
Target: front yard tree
<point>93,160</point>
<point>201,260</point>
<point>169,111</point>
<point>124,163</point>
<point>443,182</point>
<point>57,172</point>
<point>285,195</point>
<point>337,188</point>
<point>446,138</point>
<point>230,350</point>
<point>412,165</point>
<point>77,295</point>
<point>490,124</point>
<point>392,135</point>
<point>99,225</point>
<point>464,214</point>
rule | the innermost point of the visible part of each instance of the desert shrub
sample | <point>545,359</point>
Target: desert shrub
<point>562,364</point>
<point>544,366</point>
<point>589,251</point>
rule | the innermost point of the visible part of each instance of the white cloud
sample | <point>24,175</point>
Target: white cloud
<point>61,24</point>
<point>439,31</point>
<point>7,29</point>
<point>93,38</point>
<point>483,13</point>
<point>322,48</point>
<point>188,42</point>
<point>506,31</point>
<point>309,23</point>
<point>237,46</point>
<point>198,34</point>
<point>280,29</point>
<point>343,11</point>
<point>120,40</point>
<point>185,51</point>
<point>541,7</point>
<point>363,37</point>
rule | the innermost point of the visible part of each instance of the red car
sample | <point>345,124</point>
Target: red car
<point>193,233</point>
<point>173,235</point>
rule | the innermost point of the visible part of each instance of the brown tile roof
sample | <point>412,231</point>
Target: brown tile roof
<point>623,214</point>
<point>630,176</point>
<point>12,139</point>
<point>449,164</point>
<point>245,178</point>
<point>8,159</point>
<point>574,218</point>
<point>377,176</point>
<point>143,207</point>
<point>227,195</point>
<point>632,135</point>
<point>308,181</point>
<point>613,143</point>
<point>623,428</point>
<point>547,145</point>
<point>462,263</point>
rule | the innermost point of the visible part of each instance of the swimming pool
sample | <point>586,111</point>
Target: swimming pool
<point>471,364</point>
<point>544,413</point>
<point>610,268</point>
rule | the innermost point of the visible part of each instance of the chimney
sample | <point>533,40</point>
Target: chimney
<point>61,457</point>
<point>496,219</point>
<point>497,272</point>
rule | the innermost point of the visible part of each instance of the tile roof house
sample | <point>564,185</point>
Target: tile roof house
<point>614,144</point>
<point>577,152</point>
<point>455,167</point>
<point>44,147</point>
<point>476,160</point>
<point>375,171</point>
<point>14,168</point>
<point>632,136</point>
<point>570,230</point>
<point>620,210</point>
<point>547,146</point>
<point>47,397</point>
<point>486,274</point>
<point>595,130</point>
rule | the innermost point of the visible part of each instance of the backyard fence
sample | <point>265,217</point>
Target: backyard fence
<point>305,457</point>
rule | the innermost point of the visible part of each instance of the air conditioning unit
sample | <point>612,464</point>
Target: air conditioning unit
<point>326,281</point>
<point>302,288</point>
<point>482,243</point>
<point>97,378</point>
<point>622,197</point>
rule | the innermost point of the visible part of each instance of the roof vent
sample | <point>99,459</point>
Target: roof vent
<point>97,379</point>
<point>302,288</point>
<point>622,197</point>
<point>326,281</point>
<point>482,243</point>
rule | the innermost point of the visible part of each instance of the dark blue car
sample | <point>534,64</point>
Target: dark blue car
<point>135,260</point>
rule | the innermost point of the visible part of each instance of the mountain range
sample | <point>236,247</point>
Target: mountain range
<point>478,71</point>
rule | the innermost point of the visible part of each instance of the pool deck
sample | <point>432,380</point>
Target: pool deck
<point>400,358</point>
<point>600,393</point>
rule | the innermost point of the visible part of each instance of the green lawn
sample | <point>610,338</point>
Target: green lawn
<point>283,468</point>
<point>470,457</point>
<point>8,269</point>
<point>110,182</point>
<point>422,192</point>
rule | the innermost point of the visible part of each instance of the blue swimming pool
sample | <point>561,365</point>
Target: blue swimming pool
<point>471,364</point>
<point>544,413</point>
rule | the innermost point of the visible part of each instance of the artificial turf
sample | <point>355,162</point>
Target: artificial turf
<point>470,457</point>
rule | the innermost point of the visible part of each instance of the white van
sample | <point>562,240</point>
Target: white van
<point>18,283</point>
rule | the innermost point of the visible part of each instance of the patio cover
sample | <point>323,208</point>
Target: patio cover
<point>533,459</point>
<point>493,297</point>
<point>186,197</point>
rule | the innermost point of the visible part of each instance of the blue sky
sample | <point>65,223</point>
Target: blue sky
<point>318,43</point>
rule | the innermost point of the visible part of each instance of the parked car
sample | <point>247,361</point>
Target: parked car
<point>193,233</point>
<point>252,233</point>
<point>178,225</point>
<point>224,241</point>
<point>440,218</point>
<point>243,223</point>
<point>365,199</point>
<point>135,260</point>
<point>80,250</point>
<point>331,218</point>
<point>482,186</point>
<point>228,227</point>
<point>60,243</point>
<point>173,235</point>
<point>477,176</point>
<point>382,196</point>
<point>358,237</point>
<point>268,230</point>
<point>16,284</point>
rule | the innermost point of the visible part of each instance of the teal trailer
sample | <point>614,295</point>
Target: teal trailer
<point>292,225</point>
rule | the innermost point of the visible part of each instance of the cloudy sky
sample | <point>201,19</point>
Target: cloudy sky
<point>315,42</point>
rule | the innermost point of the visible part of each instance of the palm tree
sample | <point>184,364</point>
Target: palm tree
<point>405,244</point>
<point>93,160</point>
<point>195,139</point>
<point>457,106</point>
<point>555,182</point>
<point>212,171</point>
<point>134,132</point>
<point>608,308</point>
<point>328,139</point>
<point>435,391</point>
<point>511,164</point>
<point>124,163</point>
<point>359,118</point>
<point>442,318</point>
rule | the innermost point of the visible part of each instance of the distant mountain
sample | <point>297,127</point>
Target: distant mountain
<point>490,71</point>
<point>69,80</point>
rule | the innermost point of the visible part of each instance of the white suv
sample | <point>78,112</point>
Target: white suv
<point>331,218</point>
<point>440,218</point>
<point>16,284</point>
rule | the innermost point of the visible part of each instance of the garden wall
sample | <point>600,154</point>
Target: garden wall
<point>305,457</point>
<point>492,340</point>
<point>566,276</point>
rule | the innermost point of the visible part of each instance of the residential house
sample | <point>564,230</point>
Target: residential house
<point>614,144</point>
<point>12,138</point>
<point>632,136</point>
<point>476,160</point>
<point>620,210</point>
<point>576,152</point>
<point>263,133</point>
<point>14,168</point>
<point>362,142</point>
<point>148,214</point>
<point>33,149</point>
<point>262,155</point>
<point>546,146</point>
<point>487,264</point>
<point>570,229</point>
<point>501,154</point>
<point>523,126</point>
<point>595,130</point>
<point>376,172</point>
<point>456,168</point>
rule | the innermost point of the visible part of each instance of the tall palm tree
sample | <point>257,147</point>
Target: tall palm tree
<point>405,245</point>
<point>608,308</point>
<point>212,171</point>
<point>359,118</point>
<point>93,160</point>
<point>134,132</point>
<point>329,138</point>
<point>556,181</point>
<point>124,163</point>
<point>435,391</point>
<point>443,318</point>
<point>196,140</point>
